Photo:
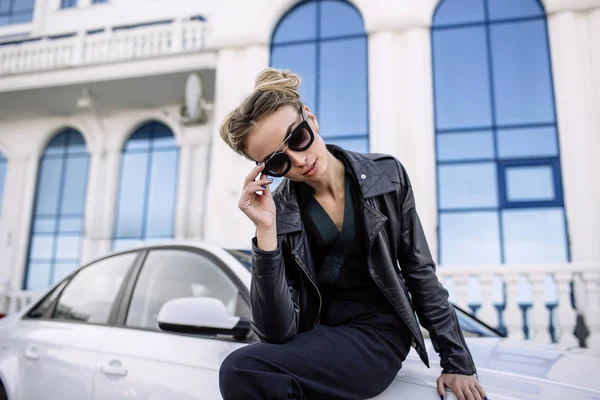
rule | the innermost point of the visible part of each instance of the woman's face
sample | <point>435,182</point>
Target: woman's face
<point>269,133</point>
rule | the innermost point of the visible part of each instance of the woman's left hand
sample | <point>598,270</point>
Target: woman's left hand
<point>464,387</point>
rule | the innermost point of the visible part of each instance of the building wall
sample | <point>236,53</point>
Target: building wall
<point>400,118</point>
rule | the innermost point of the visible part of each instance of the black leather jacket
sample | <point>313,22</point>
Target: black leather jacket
<point>284,294</point>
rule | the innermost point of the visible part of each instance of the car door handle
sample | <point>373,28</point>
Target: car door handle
<point>114,368</point>
<point>32,353</point>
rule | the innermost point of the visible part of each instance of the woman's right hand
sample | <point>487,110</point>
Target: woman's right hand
<point>259,208</point>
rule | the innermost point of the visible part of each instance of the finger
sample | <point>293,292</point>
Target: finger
<point>456,389</point>
<point>440,388</point>
<point>257,185</point>
<point>253,174</point>
<point>253,189</point>
<point>466,392</point>
<point>475,392</point>
<point>481,391</point>
<point>262,182</point>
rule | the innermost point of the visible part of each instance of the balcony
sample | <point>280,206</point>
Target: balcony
<point>550,316</point>
<point>110,47</point>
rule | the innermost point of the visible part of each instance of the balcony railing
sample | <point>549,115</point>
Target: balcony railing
<point>542,303</point>
<point>100,47</point>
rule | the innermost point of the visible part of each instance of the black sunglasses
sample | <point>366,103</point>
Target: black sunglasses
<point>301,138</point>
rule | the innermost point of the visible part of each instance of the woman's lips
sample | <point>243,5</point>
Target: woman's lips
<point>312,171</point>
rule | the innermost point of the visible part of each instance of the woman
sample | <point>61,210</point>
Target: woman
<point>329,302</point>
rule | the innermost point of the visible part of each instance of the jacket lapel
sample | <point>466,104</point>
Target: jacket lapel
<point>371,180</point>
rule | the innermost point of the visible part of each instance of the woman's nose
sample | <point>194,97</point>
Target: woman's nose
<point>298,158</point>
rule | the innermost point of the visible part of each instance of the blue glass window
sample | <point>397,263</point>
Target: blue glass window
<point>68,3</point>
<point>148,186</point>
<point>3,166</point>
<point>498,157</point>
<point>16,11</point>
<point>57,224</point>
<point>324,42</point>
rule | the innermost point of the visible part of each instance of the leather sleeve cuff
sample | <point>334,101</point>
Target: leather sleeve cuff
<point>265,262</point>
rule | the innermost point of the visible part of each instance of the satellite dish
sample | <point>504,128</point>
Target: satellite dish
<point>194,97</point>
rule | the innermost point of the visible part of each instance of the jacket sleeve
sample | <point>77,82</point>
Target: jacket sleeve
<point>273,299</point>
<point>429,297</point>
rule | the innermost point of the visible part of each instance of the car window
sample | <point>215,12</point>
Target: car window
<point>91,293</point>
<point>173,273</point>
<point>45,307</point>
<point>470,326</point>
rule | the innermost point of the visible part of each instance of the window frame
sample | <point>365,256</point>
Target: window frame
<point>66,154</point>
<point>495,128</point>
<point>150,151</point>
<point>318,41</point>
<point>129,287</point>
<point>63,284</point>
<point>504,165</point>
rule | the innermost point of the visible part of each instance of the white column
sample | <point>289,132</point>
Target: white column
<point>571,49</point>
<point>592,311</point>
<point>487,313</point>
<point>193,199</point>
<point>21,186</point>
<point>194,160</point>
<point>540,315</point>
<point>594,53</point>
<point>225,224</point>
<point>401,112</point>
<point>184,188</point>
<point>461,287</point>
<point>92,222</point>
<point>102,235</point>
<point>513,316</point>
<point>11,221</point>
<point>565,315</point>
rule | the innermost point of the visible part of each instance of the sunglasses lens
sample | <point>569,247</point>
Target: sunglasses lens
<point>300,138</point>
<point>278,165</point>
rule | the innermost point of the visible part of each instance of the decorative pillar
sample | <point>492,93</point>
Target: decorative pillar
<point>20,189</point>
<point>565,315</point>
<point>184,188</point>
<point>540,315</point>
<point>104,214</point>
<point>487,312</point>
<point>592,310</point>
<point>225,224</point>
<point>513,316</point>
<point>195,145</point>
<point>571,49</point>
<point>401,112</point>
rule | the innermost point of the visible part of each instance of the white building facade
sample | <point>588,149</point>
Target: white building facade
<point>490,104</point>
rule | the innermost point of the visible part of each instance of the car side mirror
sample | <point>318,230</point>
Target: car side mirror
<point>201,316</point>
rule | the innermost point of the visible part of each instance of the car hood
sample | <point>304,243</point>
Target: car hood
<point>512,369</point>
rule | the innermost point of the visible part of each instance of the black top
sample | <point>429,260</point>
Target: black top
<point>339,256</point>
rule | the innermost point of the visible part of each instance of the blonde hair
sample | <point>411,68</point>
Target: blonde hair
<point>273,89</point>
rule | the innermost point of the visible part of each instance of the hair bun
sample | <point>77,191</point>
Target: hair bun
<point>276,80</point>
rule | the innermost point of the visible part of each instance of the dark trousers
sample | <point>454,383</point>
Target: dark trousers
<point>354,354</point>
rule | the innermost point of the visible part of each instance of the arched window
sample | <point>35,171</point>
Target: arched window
<point>148,186</point>
<point>3,165</point>
<point>57,223</point>
<point>500,195</point>
<point>324,42</point>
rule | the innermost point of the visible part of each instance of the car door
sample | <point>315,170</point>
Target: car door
<point>57,341</point>
<point>137,361</point>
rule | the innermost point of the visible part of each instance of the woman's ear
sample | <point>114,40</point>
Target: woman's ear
<point>311,117</point>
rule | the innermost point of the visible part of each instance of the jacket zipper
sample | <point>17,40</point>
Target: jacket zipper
<point>316,287</point>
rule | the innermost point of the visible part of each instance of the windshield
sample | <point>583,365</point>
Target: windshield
<point>471,326</point>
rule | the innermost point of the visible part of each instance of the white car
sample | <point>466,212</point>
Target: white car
<point>156,322</point>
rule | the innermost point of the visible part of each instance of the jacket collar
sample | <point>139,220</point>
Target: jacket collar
<point>370,178</point>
